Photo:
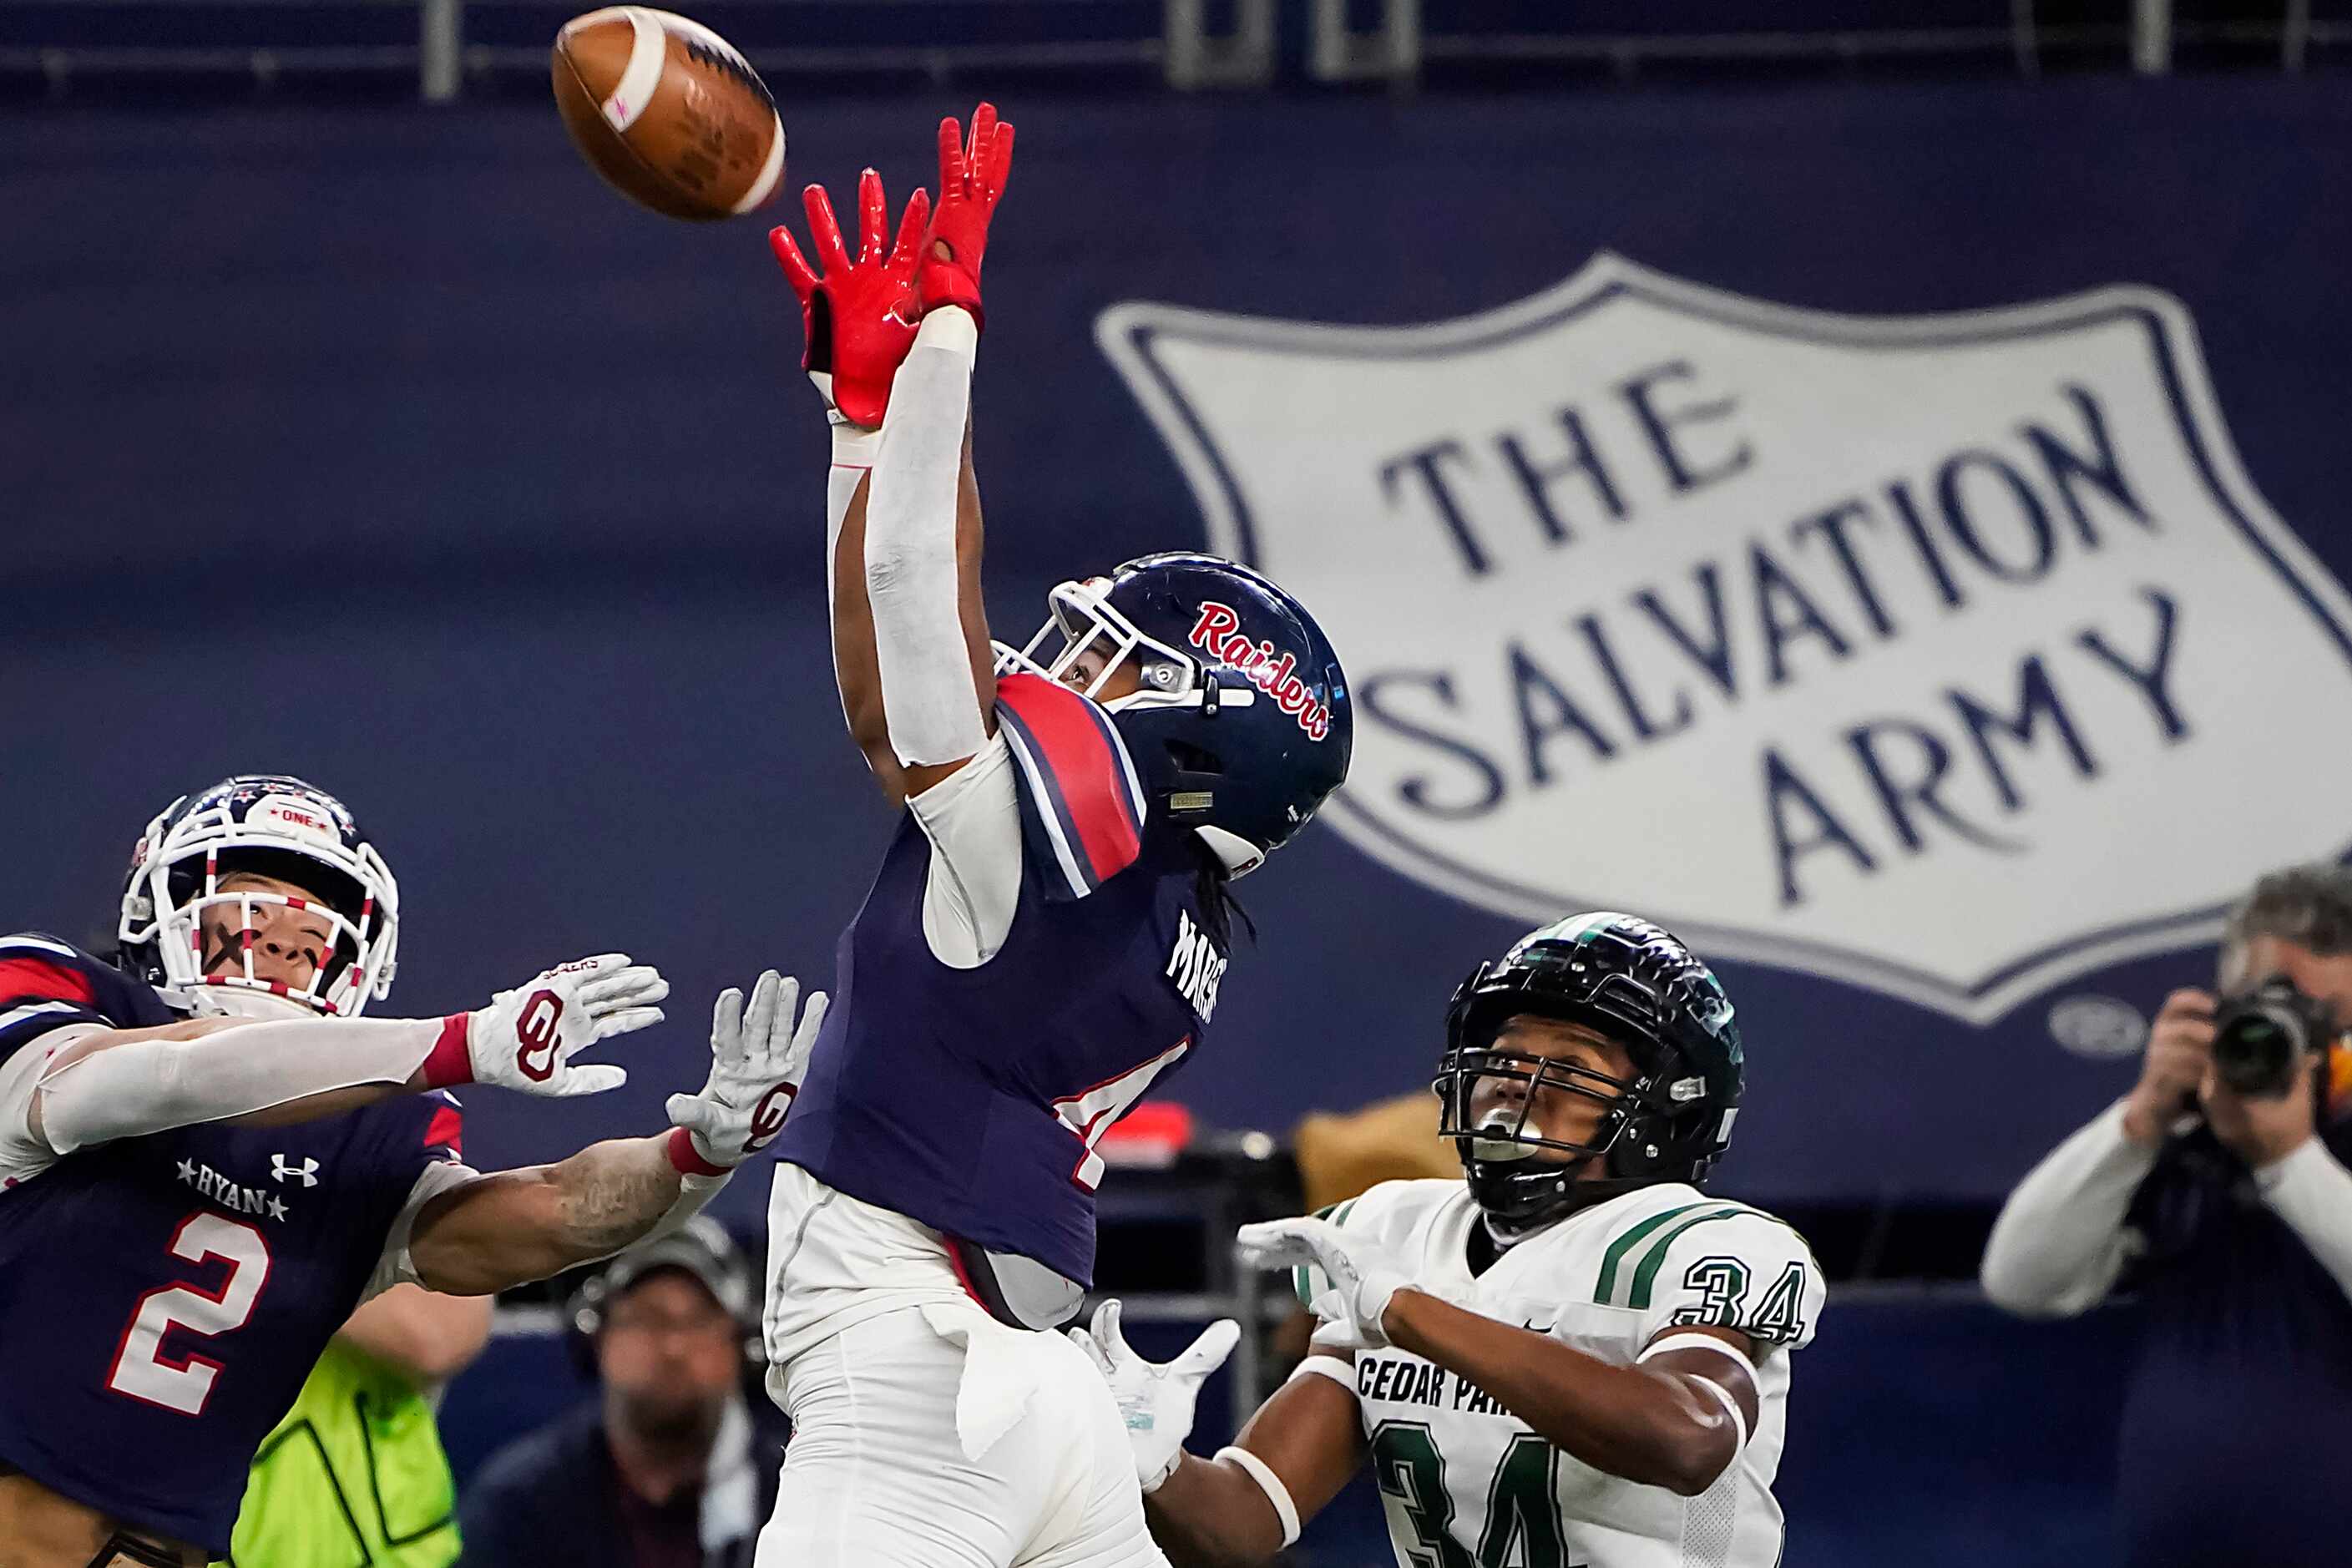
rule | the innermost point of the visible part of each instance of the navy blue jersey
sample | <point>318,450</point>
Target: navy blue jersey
<point>972,1099</point>
<point>163,1299</point>
<point>2244,1376</point>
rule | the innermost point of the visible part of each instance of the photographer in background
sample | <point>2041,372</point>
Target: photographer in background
<point>2216,1190</point>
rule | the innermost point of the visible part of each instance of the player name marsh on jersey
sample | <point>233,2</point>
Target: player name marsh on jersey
<point>1911,636</point>
<point>1196,966</point>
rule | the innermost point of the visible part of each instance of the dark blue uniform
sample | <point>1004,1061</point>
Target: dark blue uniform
<point>2245,1379</point>
<point>972,1099</point>
<point>162,1299</point>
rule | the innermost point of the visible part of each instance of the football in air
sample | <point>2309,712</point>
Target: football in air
<point>669,112</point>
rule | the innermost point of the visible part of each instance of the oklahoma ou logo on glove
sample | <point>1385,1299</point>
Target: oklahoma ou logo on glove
<point>526,1038</point>
<point>759,1054</point>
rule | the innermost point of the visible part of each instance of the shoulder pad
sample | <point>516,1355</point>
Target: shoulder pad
<point>1082,806</point>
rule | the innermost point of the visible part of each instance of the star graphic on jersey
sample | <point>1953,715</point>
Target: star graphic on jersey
<point>188,1170</point>
<point>277,1209</point>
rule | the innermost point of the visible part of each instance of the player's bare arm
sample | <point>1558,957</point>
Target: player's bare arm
<point>1663,1421</point>
<point>911,651</point>
<point>514,1226</point>
<point>428,1337</point>
<point>1246,1503</point>
<point>1213,1513</point>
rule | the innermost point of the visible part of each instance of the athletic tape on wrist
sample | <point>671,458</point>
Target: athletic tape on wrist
<point>854,446</point>
<point>1271,1484</point>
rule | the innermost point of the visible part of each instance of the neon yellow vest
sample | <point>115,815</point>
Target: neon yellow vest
<point>354,1474</point>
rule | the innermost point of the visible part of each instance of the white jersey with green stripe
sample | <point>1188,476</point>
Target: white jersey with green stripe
<point>1467,1484</point>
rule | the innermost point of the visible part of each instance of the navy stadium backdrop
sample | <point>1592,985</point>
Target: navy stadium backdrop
<point>1944,676</point>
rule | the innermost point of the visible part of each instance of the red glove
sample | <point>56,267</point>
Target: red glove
<point>859,317</point>
<point>971,178</point>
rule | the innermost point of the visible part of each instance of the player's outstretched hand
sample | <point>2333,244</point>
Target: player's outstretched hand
<point>759,1054</point>
<point>971,178</point>
<point>1358,1277</point>
<point>1154,1399</point>
<point>526,1038</point>
<point>857,317</point>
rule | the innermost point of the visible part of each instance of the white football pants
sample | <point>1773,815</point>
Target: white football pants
<point>936,1437</point>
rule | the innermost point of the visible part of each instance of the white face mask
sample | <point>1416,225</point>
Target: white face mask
<point>236,1001</point>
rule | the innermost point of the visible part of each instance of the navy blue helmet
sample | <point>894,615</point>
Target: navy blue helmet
<point>273,826</point>
<point>1639,986</point>
<point>1243,723</point>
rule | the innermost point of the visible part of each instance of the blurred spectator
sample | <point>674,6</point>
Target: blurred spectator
<point>356,1473</point>
<point>2228,1211</point>
<point>671,1468</point>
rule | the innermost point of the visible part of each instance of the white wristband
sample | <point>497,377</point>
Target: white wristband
<point>1339,1370</point>
<point>1698,1341</point>
<point>1739,1422</point>
<point>1271,1484</point>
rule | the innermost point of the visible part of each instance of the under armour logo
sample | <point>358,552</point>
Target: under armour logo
<point>280,1170</point>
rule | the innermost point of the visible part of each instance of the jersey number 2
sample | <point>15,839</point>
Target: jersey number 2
<point>141,1368</point>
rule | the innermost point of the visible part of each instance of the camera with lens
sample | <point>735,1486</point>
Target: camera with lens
<point>2261,1039</point>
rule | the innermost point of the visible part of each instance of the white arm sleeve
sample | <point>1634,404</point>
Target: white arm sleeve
<point>21,1155</point>
<point>2060,1242</point>
<point>928,697</point>
<point>146,1085</point>
<point>973,818</point>
<point>2312,1192</point>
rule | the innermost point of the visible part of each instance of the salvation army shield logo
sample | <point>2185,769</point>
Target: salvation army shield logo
<point>1955,655</point>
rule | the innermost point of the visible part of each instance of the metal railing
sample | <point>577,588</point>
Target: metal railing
<point>1177,41</point>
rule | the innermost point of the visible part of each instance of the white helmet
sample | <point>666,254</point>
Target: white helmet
<point>271,825</point>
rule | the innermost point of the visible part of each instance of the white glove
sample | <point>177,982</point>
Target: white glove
<point>1155,1401</point>
<point>1359,1275</point>
<point>527,1037</point>
<point>756,1060</point>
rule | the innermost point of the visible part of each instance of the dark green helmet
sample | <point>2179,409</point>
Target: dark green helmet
<point>1640,986</point>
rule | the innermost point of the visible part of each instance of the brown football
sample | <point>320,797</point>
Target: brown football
<point>669,111</point>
